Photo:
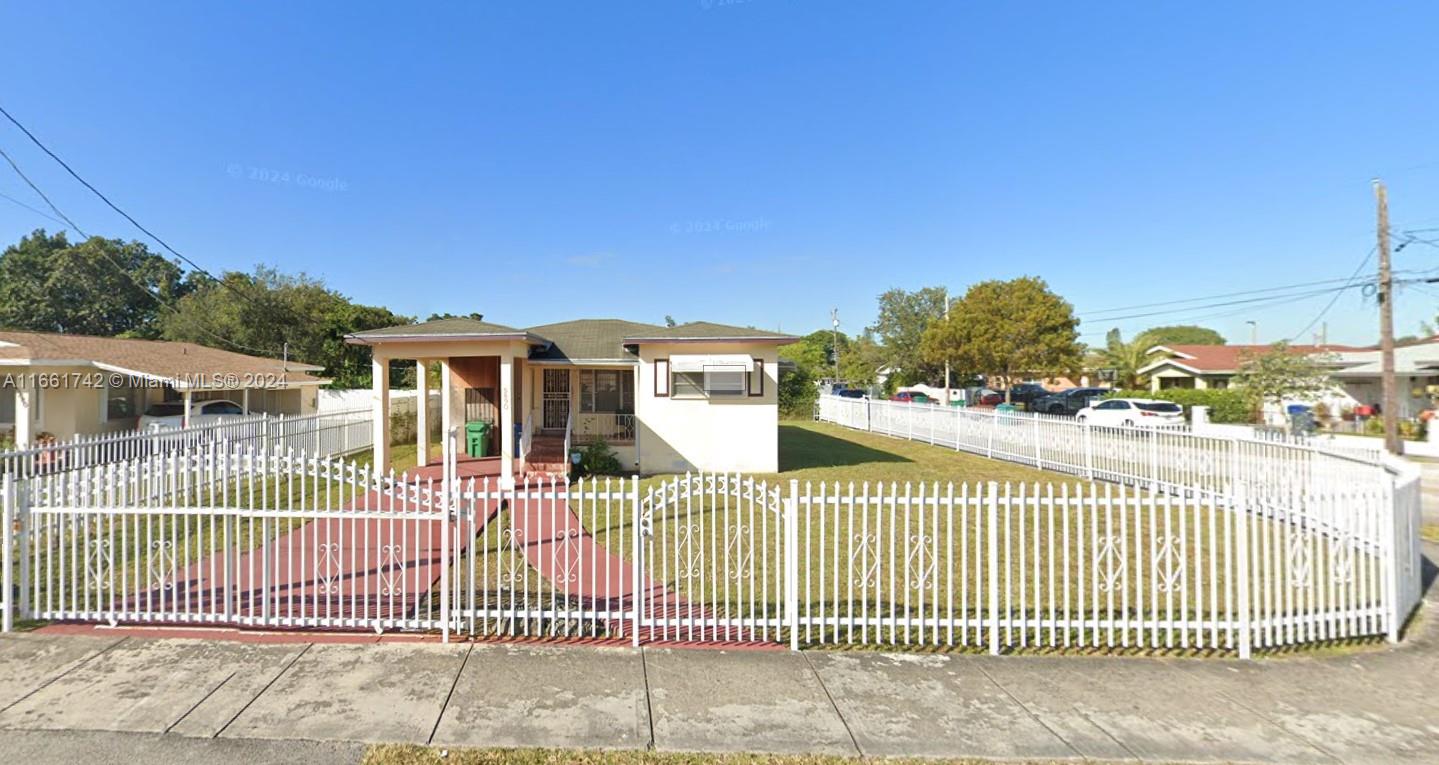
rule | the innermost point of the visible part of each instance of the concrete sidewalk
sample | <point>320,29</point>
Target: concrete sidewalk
<point>216,698</point>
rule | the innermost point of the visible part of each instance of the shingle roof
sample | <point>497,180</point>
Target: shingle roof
<point>589,340</point>
<point>452,327</point>
<point>704,330</point>
<point>180,362</point>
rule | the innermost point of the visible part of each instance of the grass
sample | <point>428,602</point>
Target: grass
<point>396,754</point>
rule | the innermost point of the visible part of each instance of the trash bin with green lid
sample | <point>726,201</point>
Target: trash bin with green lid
<point>1006,408</point>
<point>477,438</point>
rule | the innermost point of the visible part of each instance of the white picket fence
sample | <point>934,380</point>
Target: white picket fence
<point>327,434</point>
<point>1183,542</point>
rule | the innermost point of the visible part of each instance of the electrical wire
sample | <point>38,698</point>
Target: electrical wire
<point>1327,306</point>
<point>119,267</point>
<point>41,213</point>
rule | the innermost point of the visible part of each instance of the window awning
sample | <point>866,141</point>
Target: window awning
<point>698,362</point>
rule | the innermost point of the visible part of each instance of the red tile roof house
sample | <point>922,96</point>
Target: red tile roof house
<point>697,396</point>
<point>1355,370</point>
<point>68,385</point>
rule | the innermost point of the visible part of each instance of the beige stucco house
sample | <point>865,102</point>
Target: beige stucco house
<point>69,385</point>
<point>697,396</point>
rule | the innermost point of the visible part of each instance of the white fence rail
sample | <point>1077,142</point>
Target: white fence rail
<point>325,434</point>
<point>1229,548</point>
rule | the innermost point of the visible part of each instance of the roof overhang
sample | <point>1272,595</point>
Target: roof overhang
<point>765,340</point>
<point>1182,366</point>
<point>360,338</point>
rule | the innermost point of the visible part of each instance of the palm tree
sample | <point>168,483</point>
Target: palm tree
<point>1126,359</point>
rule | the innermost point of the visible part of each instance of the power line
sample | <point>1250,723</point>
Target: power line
<point>196,266</point>
<point>41,213</point>
<point>162,302</point>
<point>1335,299</point>
<point>1218,296</point>
<point>37,190</point>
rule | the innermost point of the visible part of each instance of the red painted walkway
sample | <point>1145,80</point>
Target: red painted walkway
<point>346,572</point>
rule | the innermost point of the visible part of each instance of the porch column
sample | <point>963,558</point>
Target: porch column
<point>185,399</point>
<point>245,400</point>
<point>507,421</point>
<point>447,402</point>
<point>25,394</point>
<point>422,414</point>
<point>380,412</point>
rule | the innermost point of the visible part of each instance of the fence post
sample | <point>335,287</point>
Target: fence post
<point>958,425</point>
<point>637,562</point>
<point>991,511</point>
<point>1088,449</point>
<point>1154,459</point>
<point>1238,504</point>
<point>22,512</point>
<point>993,423</point>
<point>446,506</point>
<point>1389,522</point>
<point>791,564</point>
<point>1038,461</point>
<point>7,541</point>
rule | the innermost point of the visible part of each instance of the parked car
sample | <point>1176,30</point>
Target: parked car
<point>910,397</point>
<point>171,414</point>
<point>1026,393</point>
<point>1133,413</point>
<point>850,393</point>
<point>988,397</point>
<point>1066,402</point>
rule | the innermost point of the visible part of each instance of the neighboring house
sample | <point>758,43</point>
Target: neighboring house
<point>1210,366</point>
<point>1354,369</point>
<point>68,385</point>
<point>697,396</point>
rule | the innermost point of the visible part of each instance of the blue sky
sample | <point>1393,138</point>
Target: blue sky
<point>750,162</point>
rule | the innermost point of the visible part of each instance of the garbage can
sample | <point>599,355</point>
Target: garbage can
<point>1006,408</point>
<point>477,438</point>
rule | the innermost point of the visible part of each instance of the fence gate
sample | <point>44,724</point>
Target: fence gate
<point>717,561</point>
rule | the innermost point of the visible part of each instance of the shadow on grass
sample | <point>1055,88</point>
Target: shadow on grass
<point>801,449</point>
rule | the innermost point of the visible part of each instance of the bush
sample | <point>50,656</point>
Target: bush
<point>797,394</point>
<point>1226,405</point>
<point>599,459</point>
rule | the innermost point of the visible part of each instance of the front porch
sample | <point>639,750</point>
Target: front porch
<point>560,406</point>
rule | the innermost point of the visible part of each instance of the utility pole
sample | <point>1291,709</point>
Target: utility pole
<point>1253,332</point>
<point>1390,397</point>
<point>834,339</point>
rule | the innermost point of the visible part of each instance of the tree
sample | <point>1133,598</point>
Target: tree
<point>100,286</point>
<point>1279,374</point>
<point>1181,334</point>
<point>815,351</point>
<point>438,316</point>
<point>900,327</point>
<point>1125,359</point>
<point>1007,328</point>
<point>860,360</point>
<point>669,320</point>
<point>797,392</point>
<point>269,313</point>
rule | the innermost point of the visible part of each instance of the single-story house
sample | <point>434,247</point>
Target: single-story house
<point>1355,370</point>
<point>1210,366</point>
<point>69,385</point>
<point>696,396</point>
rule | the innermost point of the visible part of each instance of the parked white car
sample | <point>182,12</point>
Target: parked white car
<point>1133,413</point>
<point>171,414</point>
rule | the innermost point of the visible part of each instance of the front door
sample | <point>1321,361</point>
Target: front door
<point>556,399</point>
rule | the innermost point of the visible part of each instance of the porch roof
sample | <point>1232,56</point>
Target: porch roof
<point>444,329</point>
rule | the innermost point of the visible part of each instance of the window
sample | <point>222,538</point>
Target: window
<point>1161,406</point>
<point>688,385</point>
<point>122,403</point>
<point>726,381</point>
<point>1219,383</point>
<point>711,382</point>
<point>1113,405</point>
<point>7,405</point>
<point>607,390</point>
